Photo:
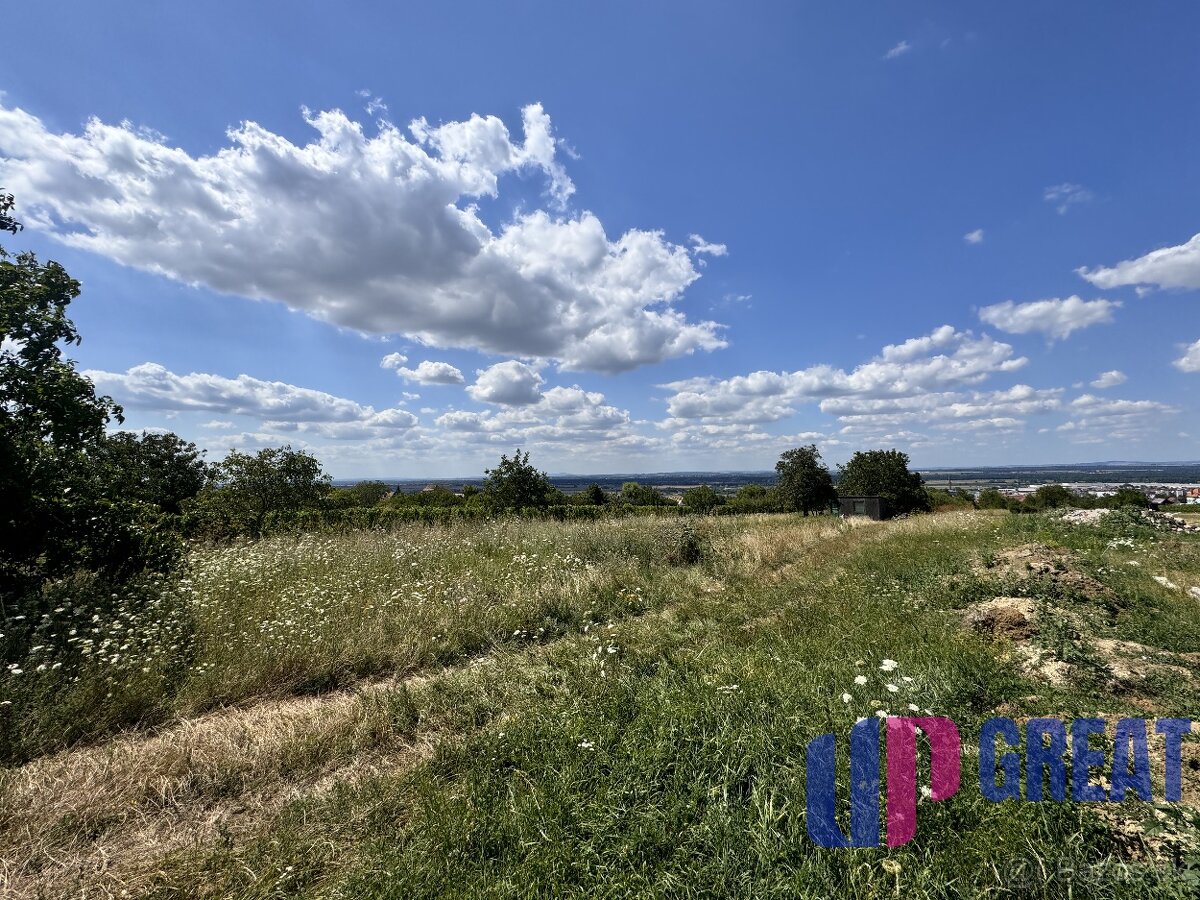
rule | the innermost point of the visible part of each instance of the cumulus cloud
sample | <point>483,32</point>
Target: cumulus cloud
<point>1066,195</point>
<point>1190,361</point>
<point>281,406</point>
<point>1099,418</point>
<point>974,237</point>
<point>378,233</point>
<point>899,50</point>
<point>1109,379</point>
<point>562,416</point>
<point>941,359</point>
<point>1167,267</point>
<point>509,383</point>
<point>430,372</point>
<point>1055,318</point>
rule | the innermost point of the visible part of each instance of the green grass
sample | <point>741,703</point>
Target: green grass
<point>656,748</point>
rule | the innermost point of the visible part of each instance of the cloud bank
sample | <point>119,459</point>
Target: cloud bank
<point>379,233</point>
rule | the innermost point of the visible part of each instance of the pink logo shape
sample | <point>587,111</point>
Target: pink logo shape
<point>944,770</point>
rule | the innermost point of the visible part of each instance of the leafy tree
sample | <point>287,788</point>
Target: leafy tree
<point>1128,495</point>
<point>702,499</point>
<point>635,494</point>
<point>884,473</point>
<point>1052,496</point>
<point>50,420</point>
<point>804,483</point>
<point>160,469</point>
<point>592,495</point>
<point>516,484</point>
<point>368,493</point>
<point>990,498</point>
<point>245,489</point>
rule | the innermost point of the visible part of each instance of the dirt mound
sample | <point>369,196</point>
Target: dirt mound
<point>1010,618</point>
<point>1015,620</point>
<point>1042,562</point>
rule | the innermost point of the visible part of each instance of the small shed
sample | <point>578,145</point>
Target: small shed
<point>871,507</point>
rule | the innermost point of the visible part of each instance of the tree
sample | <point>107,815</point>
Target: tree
<point>1052,496</point>
<point>368,493</point>
<point>1128,495</point>
<point>702,499</point>
<point>50,420</point>
<point>163,470</point>
<point>990,498</point>
<point>245,489</point>
<point>804,483</point>
<point>516,484</point>
<point>884,473</point>
<point>592,495</point>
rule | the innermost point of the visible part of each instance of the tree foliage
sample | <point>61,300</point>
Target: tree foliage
<point>517,484</point>
<point>884,473</point>
<point>51,423</point>
<point>702,499</point>
<point>163,470</point>
<point>804,483</point>
<point>634,494</point>
<point>368,493</point>
<point>246,489</point>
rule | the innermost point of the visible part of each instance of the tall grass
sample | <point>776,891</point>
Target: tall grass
<point>301,614</point>
<point>655,747</point>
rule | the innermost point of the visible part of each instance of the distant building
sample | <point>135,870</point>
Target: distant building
<point>871,507</point>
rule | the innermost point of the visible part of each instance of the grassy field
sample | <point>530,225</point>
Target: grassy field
<point>608,709</point>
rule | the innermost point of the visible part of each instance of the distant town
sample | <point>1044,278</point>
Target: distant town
<point>1164,484</point>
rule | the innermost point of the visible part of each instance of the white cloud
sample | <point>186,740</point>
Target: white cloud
<point>1066,195</point>
<point>941,359</point>
<point>376,233</point>
<point>700,245</point>
<point>974,237</point>
<point>899,50</point>
<point>1168,267</point>
<point>1109,379</point>
<point>429,372</point>
<point>393,361</point>
<point>1097,419</point>
<point>1190,361</point>
<point>1055,318</point>
<point>509,383</point>
<point>562,416</point>
<point>281,406</point>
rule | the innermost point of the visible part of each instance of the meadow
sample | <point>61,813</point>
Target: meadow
<point>616,708</point>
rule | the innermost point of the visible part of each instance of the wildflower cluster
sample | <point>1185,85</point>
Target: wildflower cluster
<point>883,682</point>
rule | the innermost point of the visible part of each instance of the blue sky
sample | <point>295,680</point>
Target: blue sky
<point>628,237</point>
